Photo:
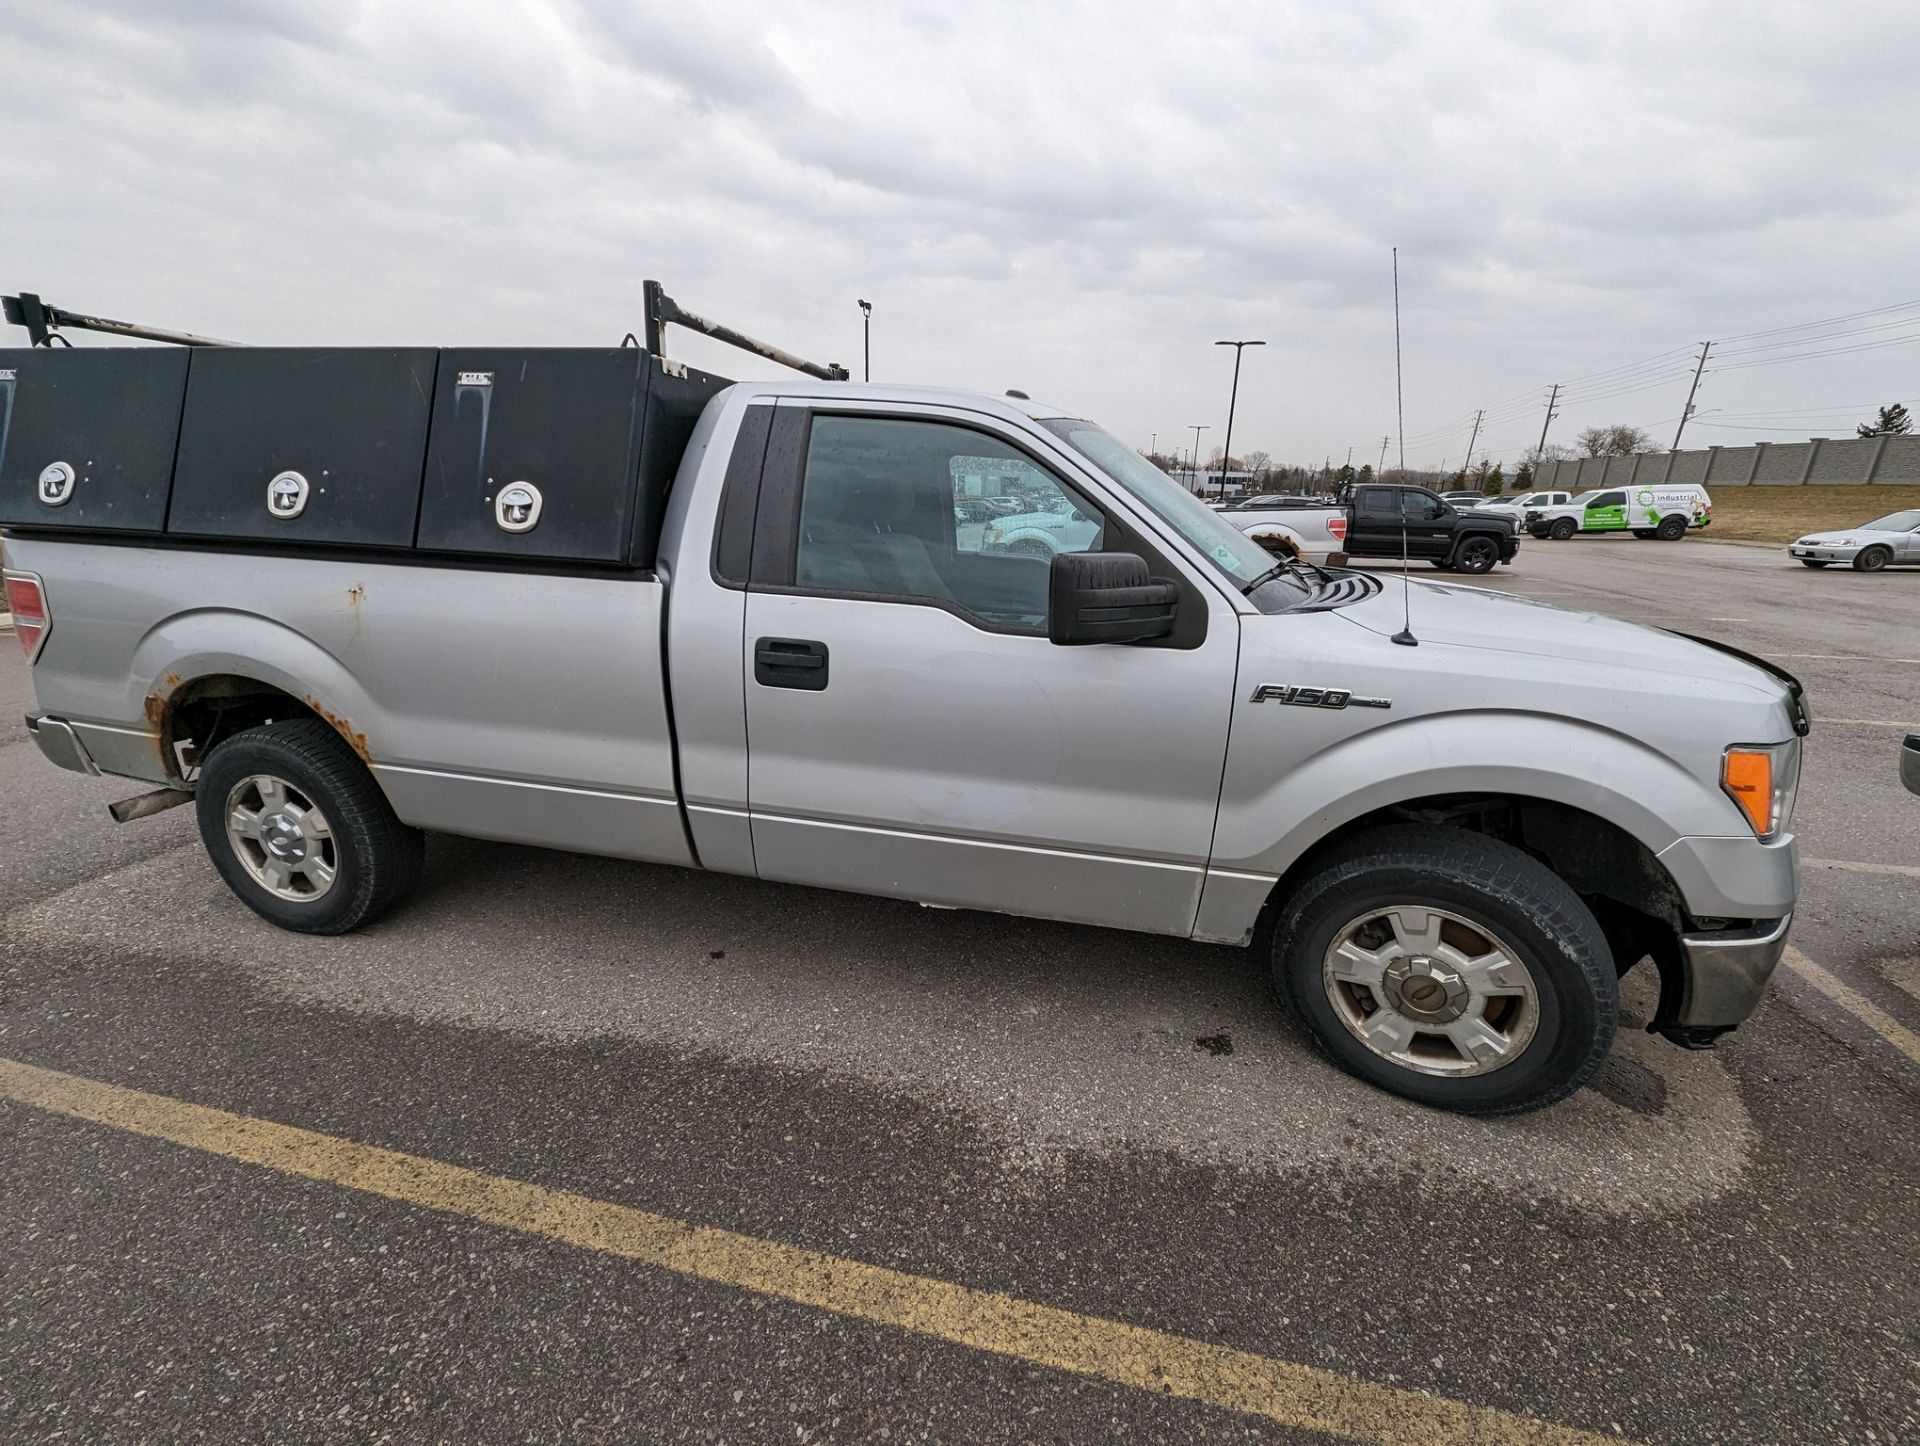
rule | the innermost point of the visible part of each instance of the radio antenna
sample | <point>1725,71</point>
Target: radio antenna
<point>1405,636</point>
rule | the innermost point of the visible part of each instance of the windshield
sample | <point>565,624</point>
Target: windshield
<point>1896,522</point>
<point>1225,546</point>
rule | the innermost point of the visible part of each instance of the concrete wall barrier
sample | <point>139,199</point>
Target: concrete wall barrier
<point>1820,462</point>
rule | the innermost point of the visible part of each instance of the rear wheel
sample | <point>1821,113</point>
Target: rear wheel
<point>1562,529</point>
<point>1671,529</point>
<point>1450,968</point>
<point>1872,559</point>
<point>299,830</point>
<point>1476,554</point>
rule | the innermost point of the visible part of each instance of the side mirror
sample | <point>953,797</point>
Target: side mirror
<point>1107,597</point>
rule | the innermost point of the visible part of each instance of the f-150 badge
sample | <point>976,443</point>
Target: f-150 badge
<point>1315,697</point>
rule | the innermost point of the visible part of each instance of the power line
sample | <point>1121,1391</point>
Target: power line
<point>1824,337</point>
<point>1810,355</point>
<point>1829,321</point>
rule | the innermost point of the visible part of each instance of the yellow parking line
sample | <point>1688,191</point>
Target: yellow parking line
<point>1910,871</point>
<point>1858,1005</point>
<point>1299,1396</point>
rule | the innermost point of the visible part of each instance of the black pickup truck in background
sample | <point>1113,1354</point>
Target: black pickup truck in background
<point>1380,517</point>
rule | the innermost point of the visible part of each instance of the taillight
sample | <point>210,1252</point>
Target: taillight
<point>27,601</point>
<point>1338,527</point>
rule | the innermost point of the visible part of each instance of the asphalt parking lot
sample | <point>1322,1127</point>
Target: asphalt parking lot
<point>809,1167</point>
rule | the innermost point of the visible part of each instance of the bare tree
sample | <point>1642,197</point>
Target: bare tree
<point>1618,440</point>
<point>1258,462</point>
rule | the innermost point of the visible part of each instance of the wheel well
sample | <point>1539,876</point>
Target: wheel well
<point>199,715</point>
<point>1629,890</point>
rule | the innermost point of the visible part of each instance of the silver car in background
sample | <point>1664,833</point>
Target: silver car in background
<point>1890,541</point>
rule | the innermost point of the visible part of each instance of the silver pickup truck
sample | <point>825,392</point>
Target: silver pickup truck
<point>594,601</point>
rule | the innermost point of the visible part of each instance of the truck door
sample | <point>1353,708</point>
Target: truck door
<point>1429,523</point>
<point>1606,513</point>
<point>910,729</point>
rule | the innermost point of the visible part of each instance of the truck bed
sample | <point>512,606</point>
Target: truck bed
<point>490,703</point>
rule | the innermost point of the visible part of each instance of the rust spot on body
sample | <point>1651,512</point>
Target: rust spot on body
<point>158,706</point>
<point>357,594</point>
<point>356,741</point>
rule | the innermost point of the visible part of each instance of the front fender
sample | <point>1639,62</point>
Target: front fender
<point>1275,808</point>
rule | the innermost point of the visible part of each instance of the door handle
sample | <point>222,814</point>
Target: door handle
<point>790,663</point>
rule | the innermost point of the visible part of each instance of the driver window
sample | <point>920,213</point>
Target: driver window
<point>927,512</point>
<point>1419,507</point>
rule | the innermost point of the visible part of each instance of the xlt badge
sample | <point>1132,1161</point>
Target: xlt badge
<point>1315,697</point>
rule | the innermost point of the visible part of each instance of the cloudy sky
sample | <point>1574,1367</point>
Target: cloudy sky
<point>1072,200</point>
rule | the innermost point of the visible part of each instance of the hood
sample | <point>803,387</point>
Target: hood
<point>1499,622</point>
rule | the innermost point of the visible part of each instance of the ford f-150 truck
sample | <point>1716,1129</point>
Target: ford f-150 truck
<point>596,600</point>
<point>1385,520</point>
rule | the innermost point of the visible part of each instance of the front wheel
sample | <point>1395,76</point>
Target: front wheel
<point>299,830</point>
<point>1872,559</point>
<point>1476,554</point>
<point>1562,529</point>
<point>1671,529</point>
<point>1450,968</point>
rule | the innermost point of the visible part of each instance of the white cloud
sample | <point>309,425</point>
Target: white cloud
<point>1074,200</point>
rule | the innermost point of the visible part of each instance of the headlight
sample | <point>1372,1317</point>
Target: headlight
<point>1762,780</point>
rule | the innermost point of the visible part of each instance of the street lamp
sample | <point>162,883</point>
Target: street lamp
<point>1226,457</point>
<point>866,337</point>
<point>1194,471</point>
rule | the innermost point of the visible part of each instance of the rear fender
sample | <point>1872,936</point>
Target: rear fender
<point>213,642</point>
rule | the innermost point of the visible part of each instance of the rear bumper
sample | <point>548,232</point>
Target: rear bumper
<point>60,744</point>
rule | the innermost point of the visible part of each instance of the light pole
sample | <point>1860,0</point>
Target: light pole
<point>1194,471</point>
<point>1226,457</point>
<point>866,337</point>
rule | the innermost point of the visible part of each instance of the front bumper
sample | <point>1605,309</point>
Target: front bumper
<point>1725,973</point>
<point>1822,552</point>
<point>1739,896</point>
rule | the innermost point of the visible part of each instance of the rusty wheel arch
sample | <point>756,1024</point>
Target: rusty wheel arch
<point>192,716</point>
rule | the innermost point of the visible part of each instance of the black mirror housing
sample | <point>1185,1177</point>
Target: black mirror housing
<point>1107,597</point>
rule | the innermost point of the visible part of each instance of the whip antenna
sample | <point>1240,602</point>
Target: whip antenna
<point>1405,636</point>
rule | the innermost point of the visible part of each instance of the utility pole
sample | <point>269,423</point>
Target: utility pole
<point>866,336</point>
<point>1349,456</point>
<point>1474,438</point>
<point>1194,471</point>
<point>1687,410</point>
<point>1153,445</point>
<point>1226,457</point>
<point>1540,452</point>
<point>1383,458</point>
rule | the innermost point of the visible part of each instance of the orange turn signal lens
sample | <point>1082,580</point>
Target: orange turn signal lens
<point>1748,776</point>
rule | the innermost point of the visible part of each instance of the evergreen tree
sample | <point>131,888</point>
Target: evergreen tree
<point>1893,421</point>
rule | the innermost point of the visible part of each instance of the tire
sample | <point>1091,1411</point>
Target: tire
<point>1031,547</point>
<point>1476,554</point>
<point>1562,529</point>
<point>1812,562</point>
<point>1872,559</point>
<point>1554,1004</point>
<point>1671,529</point>
<point>311,808</point>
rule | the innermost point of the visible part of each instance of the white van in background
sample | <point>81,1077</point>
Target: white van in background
<point>1665,512</point>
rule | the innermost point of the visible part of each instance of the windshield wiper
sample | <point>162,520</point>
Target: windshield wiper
<point>1289,564</point>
